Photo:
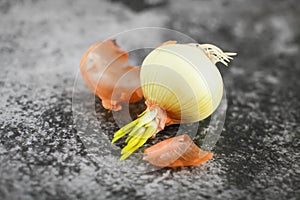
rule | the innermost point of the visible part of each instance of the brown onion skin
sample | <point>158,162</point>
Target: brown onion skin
<point>103,69</point>
<point>176,152</point>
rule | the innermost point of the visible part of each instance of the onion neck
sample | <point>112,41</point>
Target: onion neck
<point>148,123</point>
<point>161,116</point>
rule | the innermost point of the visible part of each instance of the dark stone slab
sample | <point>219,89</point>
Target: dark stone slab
<point>53,144</point>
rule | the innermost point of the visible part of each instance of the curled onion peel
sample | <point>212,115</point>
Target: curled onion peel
<point>103,69</point>
<point>181,84</point>
<point>176,152</point>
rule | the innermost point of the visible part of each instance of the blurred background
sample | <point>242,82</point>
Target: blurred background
<point>41,153</point>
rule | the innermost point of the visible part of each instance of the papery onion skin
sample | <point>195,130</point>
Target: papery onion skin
<point>103,69</point>
<point>178,151</point>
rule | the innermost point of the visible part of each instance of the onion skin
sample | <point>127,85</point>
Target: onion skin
<point>176,152</point>
<point>103,69</point>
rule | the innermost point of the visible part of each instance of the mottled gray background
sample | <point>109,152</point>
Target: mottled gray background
<point>42,152</point>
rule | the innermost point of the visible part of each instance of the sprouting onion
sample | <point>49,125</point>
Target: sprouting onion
<point>181,84</point>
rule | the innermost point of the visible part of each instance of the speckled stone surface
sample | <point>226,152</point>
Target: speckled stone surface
<point>45,155</point>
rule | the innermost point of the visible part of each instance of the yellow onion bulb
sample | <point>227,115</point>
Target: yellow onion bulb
<point>183,81</point>
<point>181,84</point>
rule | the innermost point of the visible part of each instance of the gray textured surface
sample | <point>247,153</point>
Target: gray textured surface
<point>42,155</point>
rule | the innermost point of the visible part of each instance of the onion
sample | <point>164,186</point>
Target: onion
<point>181,84</point>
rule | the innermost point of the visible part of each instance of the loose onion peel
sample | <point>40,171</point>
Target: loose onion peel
<point>103,69</point>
